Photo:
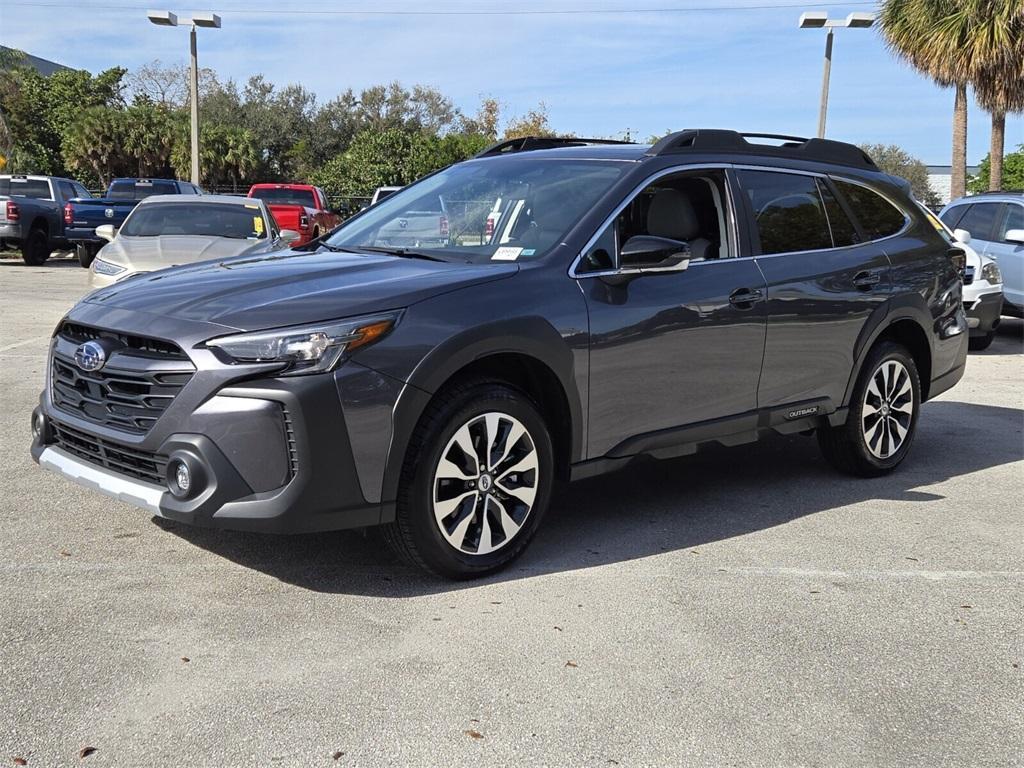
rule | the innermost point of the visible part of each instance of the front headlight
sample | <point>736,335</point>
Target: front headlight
<point>106,268</point>
<point>991,273</point>
<point>309,348</point>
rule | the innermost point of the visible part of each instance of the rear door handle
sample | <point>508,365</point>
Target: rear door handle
<point>866,280</point>
<point>745,298</point>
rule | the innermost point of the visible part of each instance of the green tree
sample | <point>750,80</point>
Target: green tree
<point>956,43</point>
<point>533,123</point>
<point>151,131</point>
<point>893,159</point>
<point>94,145</point>
<point>1013,172</point>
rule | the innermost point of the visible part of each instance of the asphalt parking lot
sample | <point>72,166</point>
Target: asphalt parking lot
<point>741,607</point>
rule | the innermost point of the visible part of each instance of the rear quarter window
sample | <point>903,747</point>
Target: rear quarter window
<point>877,216</point>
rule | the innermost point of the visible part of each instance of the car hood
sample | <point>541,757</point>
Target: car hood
<point>292,287</point>
<point>148,254</point>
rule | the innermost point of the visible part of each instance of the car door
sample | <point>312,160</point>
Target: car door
<point>1009,254</point>
<point>823,284</point>
<point>671,348</point>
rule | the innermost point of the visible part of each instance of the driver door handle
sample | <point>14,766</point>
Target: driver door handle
<point>745,298</point>
<point>866,280</point>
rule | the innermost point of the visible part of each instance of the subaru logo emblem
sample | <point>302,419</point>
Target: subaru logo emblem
<point>109,213</point>
<point>90,356</point>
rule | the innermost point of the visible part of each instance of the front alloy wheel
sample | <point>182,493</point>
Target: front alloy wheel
<point>475,482</point>
<point>485,483</point>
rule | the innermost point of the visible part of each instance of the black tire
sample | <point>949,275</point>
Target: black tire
<point>846,447</point>
<point>416,535</point>
<point>85,254</point>
<point>35,249</point>
<point>978,343</point>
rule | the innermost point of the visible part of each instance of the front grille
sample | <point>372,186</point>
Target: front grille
<point>138,383</point>
<point>77,334</point>
<point>103,453</point>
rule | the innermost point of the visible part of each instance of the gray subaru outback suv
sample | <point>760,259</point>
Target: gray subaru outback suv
<point>582,304</point>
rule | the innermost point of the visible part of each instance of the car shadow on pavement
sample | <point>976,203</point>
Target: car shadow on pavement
<point>652,507</point>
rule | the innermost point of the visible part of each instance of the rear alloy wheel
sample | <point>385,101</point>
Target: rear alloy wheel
<point>476,481</point>
<point>35,248</point>
<point>882,420</point>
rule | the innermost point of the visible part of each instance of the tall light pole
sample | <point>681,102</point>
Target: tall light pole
<point>817,20</point>
<point>211,21</point>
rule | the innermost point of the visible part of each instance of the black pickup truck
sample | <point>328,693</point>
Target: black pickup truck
<point>83,215</point>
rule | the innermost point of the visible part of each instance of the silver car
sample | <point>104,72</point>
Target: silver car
<point>168,230</point>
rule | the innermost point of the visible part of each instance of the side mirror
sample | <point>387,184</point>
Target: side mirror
<point>106,231</point>
<point>962,236</point>
<point>1015,236</point>
<point>289,236</point>
<point>655,254</point>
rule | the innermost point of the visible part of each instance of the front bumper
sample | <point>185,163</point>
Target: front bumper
<point>275,455</point>
<point>983,312</point>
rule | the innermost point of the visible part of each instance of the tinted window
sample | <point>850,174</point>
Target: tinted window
<point>877,216</point>
<point>843,231</point>
<point>37,189</point>
<point>951,218</point>
<point>788,211</point>
<point>1012,219</point>
<point>980,220</point>
<point>210,219</point>
<point>67,191</point>
<point>303,197</point>
<point>81,191</point>
<point>139,190</point>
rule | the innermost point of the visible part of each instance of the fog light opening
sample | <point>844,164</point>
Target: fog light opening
<point>185,477</point>
<point>39,427</point>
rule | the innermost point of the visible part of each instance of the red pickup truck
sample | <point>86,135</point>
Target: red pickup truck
<point>301,207</point>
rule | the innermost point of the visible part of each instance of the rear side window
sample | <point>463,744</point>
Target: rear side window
<point>843,231</point>
<point>980,220</point>
<point>877,216</point>
<point>788,210</point>
<point>951,218</point>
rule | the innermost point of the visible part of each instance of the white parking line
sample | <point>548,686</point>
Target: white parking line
<point>23,343</point>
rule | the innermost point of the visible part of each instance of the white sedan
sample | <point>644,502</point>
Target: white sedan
<point>168,230</point>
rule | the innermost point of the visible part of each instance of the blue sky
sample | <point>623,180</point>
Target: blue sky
<point>599,73</point>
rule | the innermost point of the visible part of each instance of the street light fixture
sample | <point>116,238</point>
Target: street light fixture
<point>210,21</point>
<point>819,20</point>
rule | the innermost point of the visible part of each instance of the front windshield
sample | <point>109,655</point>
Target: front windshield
<point>238,222</point>
<point>501,209</point>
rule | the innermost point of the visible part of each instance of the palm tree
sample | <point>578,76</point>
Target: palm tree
<point>959,43</point>
<point>999,86</point>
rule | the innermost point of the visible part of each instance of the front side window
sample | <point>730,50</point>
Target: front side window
<point>497,209</point>
<point>788,211</point>
<point>877,216</point>
<point>980,220</point>
<point>238,222</point>
<point>951,217</point>
<point>689,208</point>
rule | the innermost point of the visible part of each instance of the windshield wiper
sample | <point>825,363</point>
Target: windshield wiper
<point>405,253</point>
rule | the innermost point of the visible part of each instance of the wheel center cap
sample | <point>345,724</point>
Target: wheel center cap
<point>885,410</point>
<point>485,482</point>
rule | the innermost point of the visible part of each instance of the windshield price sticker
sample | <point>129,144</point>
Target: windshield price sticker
<point>506,253</point>
<point>257,224</point>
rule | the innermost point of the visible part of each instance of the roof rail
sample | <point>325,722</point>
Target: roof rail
<point>999,192</point>
<point>529,143</point>
<point>793,147</point>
